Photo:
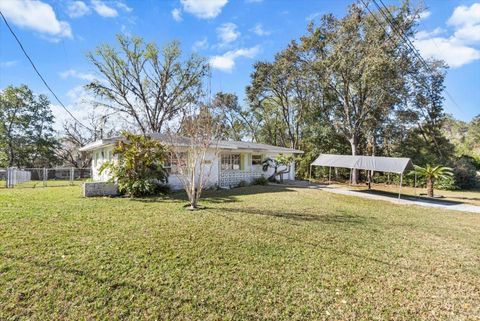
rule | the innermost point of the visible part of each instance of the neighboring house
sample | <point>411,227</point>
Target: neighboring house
<point>230,163</point>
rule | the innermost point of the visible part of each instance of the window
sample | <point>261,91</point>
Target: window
<point>230,161</point>
<point>171,164</point>
<point>256,159</point>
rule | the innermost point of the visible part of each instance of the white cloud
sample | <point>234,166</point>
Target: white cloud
<point>463,15</point>
<point>462,46</point>
<point>72,73</point>
<point>123,6</point>
<point>177,15</point>
<point>80,107</point>
<point>429,34</point>
<point>77,9</point>
<point>8,64</point>
<point>35,15</point>
<point>227,33</point>
<point>259,31</point>
<point>200,44</point>
<point>468,33</point>
<point>204,9</point>
<point>453,52</point>
<point>312,16</point>
<point>226,62</point>
<point>424,15</point>
<point>104,10</point>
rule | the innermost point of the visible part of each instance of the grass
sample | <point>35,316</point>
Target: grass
<point>263,252</point>
<point>49,183</point>
<point>471,196</point>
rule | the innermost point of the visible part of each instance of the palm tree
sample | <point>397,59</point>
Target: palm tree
<point>431,174</point>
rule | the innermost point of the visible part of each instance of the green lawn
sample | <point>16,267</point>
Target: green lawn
<point>270,253</point>
<point>471,196</point>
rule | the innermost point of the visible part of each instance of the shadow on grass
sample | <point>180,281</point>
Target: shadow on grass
<point>410,198</point>
<point>266,230</point>
<point>219,196</point>
<point>295,216</point>
<point>111,283</point>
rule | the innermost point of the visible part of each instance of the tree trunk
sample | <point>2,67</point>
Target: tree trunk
<point>429,187</point>
<point>354,144</point>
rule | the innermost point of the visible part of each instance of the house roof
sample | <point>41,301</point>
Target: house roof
<point>374,163</point>
<point>181,140</point>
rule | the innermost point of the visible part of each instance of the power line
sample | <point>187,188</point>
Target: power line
<point>38,73</point>
<point>390,20</point>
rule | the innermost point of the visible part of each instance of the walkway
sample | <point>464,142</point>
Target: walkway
<point>405,200</point>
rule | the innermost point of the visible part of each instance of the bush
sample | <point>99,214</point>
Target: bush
<point>447,183</point>
<point>262,180</point>
<point>242,184</point>
<point>465,172</point>
<point>163,189</point>
<point>138,171</point>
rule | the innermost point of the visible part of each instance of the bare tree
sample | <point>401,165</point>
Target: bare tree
<point>146,84</point>
<point>194,147</point>
<point>75,136</point>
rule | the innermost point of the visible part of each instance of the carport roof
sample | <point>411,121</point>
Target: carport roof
<point>375,163</point>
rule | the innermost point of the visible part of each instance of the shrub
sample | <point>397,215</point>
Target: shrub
<point>138,171</point>
<point>242,184</point>
<point>262,180</point>
<point>163,189</point>
<point>465,172</point>
<point>447,183</point>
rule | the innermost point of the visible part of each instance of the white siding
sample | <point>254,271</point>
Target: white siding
<point>99,157</point>
<point>248,172</point>
<point>211,172</point>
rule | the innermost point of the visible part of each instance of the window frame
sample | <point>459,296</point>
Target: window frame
<point>229,162</point>
<point>253,163</point>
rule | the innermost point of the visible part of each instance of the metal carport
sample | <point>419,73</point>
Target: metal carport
<point>396,165</point>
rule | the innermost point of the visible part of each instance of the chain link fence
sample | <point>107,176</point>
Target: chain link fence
<point>42,177</point>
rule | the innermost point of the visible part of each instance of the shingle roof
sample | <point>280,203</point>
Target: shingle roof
<point>181,140</point>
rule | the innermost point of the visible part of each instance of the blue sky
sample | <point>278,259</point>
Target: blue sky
<point>232,34</point>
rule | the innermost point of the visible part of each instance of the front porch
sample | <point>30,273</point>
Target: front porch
<point>237,167</point>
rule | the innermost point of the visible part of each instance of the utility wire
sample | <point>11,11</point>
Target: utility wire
<point>38,73</point>
<point>390,20</point>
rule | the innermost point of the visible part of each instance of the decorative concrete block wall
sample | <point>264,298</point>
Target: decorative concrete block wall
<point>91,189</point>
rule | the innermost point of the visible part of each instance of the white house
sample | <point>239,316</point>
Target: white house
<point>230,162</point>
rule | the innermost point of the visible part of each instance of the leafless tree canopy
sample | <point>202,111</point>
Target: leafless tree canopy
<point>148,85</point>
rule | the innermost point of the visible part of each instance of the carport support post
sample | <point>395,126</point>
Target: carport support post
<point>329,174</point>
<point>415,185</point>
<point>310,174</point>
<point>400,189</point>
<point>72,173</point>
<point>350,181</point>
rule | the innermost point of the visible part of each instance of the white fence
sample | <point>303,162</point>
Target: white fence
<point>42,177</point>
<point>16,176</point>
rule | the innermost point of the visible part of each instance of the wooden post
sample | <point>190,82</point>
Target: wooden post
<point>329,174</point>
<point>350,181</point>
<point>310,175</point>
